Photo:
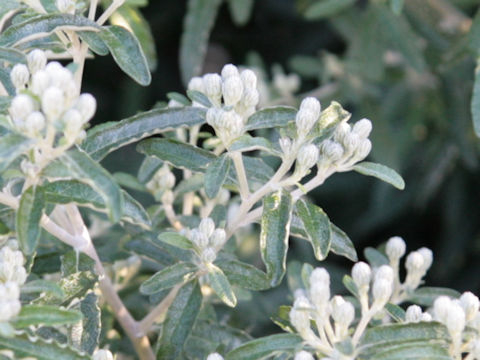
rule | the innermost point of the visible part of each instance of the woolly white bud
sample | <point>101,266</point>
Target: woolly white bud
<point>413,313</point>
<point>207,226</point>
<point>319,275</point>
<point>343,312</point>
<point>426,317</point>
<point>299,316</point>
<point>196,84</point>
<point>22,105</point>
<point>35,123</point>
<point>414,262</point>
<point>427,257</point>
<point>382,289</point>
<point>385,272</point>
<point>232,90</point>
<point>332,150</point>
<point>215,356</point>
<point>36,60</point>
<point>470,305</point>
<point>311,104</point>
<point>102,355</point>
<point>455,320</point>
<point>199,238</point>
<point>249,79</point>
<point>441,307</point>
<point>223,196</point>
<point>212,84</point>
<point>307,156</point>
<point>230,125</point>
<point>362,128</point>
<point>305,120</point>
<point>66,6</point>
<point>363,149</point>
<point>320,295</point>
<point>286,146</point>
<point>213,116</point>
<point>395,248</point>
<point>228,71</point>
<point>208,255</point>
<point>218,238</point>
<point>303,355</point>
<point>250,98</point>
<point>19,76</point>
<point>87,105</point>
<point>9,300</point>
<point>361,274</point>
<point>342,130</point>
<point>53,102</point>
<point>351,142</point>
<point>40,82</point>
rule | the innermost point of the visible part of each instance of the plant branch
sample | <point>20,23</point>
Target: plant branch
<point>241,174</point>
<point>110,10</point>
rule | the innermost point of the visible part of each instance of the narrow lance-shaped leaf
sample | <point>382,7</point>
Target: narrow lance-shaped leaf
<point>381,172</point>
<point>271,117</point>
<point>277,213</point>
<point>105,138</point>
<point>179,321</point>
<point>28,217</point>
<point>264,347</point>
<point>241,11</point>
<point>326,8</point>
<point>45,315</point>
<point>168,277</point>
<point>12,145</point>
<point>176,239</point>
<point>220,285</point>
<point>43,286</point>
<point>342,245</point>
<point>198,23</point>
<point>216,175</point>
<point>87,339</point>
<point>475,104</point>
<point>243,274</point>
<point>317,227</point>
<point>7,81</point>
<point>12,56</point>
<point>127,52</point>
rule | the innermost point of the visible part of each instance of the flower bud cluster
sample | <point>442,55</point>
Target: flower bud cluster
<point>47,101</point>
<point>348,146</point>
<point>415,314</point>
<point>234,97</point>
<point>102,355</point>
<point>12,276</point>
<point>208,240</point>
<point>161,185</point>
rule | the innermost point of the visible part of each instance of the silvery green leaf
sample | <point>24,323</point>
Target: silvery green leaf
<point>426,295</point>
<point>220,285</point>
<point>248,143</point>
<point>271,117</point>
<point>12,145</point>
<point>375,257</point>
<point>350,285</point>
<point>105,138</point>
<point>197,25</point>
<point>7,81</point>
<point>94,41</point>
<point>199,97</point>
<point>27,222</point>
<point>264,347</point>
<point>127,180</point>
<point>342,245</point>
<point>216,174</point>
<point>168,278</point>
<point>12,56</point>
<point>127,52</point>
<point>42,286</point>
<point>396,312</point>
<point>87,339</point>
<point>275,224</point>
<point>148,168</point>
<point>326,8</point>
<point>243,275</point>
<point>397,6</point>
<point>417,351</point>
<point>45,315</point>
<point>381,172</point>
<point>241,10</point>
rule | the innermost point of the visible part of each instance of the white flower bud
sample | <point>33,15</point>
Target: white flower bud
<point>20,76</point>
<point>311,104</point>
<point>307,156</point>
<point>342,130</point>
<point>223,196</point>
<point>363,149</point>
<point>415,262</point>
<point>40,82</point>
<point>232,90</point>
<point>361,274</point>
<point>426,317</point>
<point>22,105</point>
<point>87,105</point>
<point>232,125</point>
<point>215,356</point>
<point>395,248</point>
<point>9,300</point>
<point>343,312</point>
<point>319,276</point>
<point>208,255</point>
<point>218,238</point>
<point>228,71</point>
<point>168,197</point>
<point>286,145</point>
<point>66,6</point>
<point>102,355</point>
<point>196,84</point>
<point>455,320</point>
<point>470,305</point>
<point>351,142</point>
<point>207,226</point>
<point>362,128</point>
<point>427,257</point>
<point>36,60</point>
<point>53,102</point>
<point>413,314</point>
<point>199,238</point>
<point>212,83</point>
<point>441,307</point>
<point>381,290</point>
<point>249,79</point>
<point>213,116</point>
<point>303,355</point>
<point>385,272</point>
<point>332,150</point>
<point>305,120</point>
<point>35,123</point>
<point>299,314</point>
<point>250,98</point>
<point>320,295</point>
<point>73,121</point>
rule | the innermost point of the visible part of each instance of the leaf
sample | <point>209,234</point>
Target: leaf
<point>88,338</point>
<point>416,351</point>
<point>24,346</point>
<point>342,245</point>
<point>220,285</point>
<point>176,239</point>
<point>262,348</point>
<point>326,8</point>
<point>329,119</point>
<point>45,315</point>
<point>179,321</point>
<point>45,24</point>
<point>12,145</point>
<point>474,36</point>
<point>317,227</point>
<point>68,191</point>
<point>43,286</point>
<point>241,11</point>
<point>216,175</point>
<point>426,295</point>
<point>168,278</point>
<point>397,6</point>
<point>475,104</point>
<point>396,312</point>
<point>149,167</point>
<point>95,43</point>
<point>197,25</point>
<point>12,56</point>
<point>350,285</point>
<point>271,117</point>
<point>282,318</point>
<point>243,275</point>
<point>28,217</point>
<point>126,51</point>
<point>381,172</point>
<point>375,257</point>
<point>6,81</point>
<point>105,138</point>
<point>83,168</point>
<point>128,181</point>
<point>199,97</point>
<point>277,213</point>
<point>248,143</point>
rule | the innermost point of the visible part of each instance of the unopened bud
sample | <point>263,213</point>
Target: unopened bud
<point>382,290</point>
<point>87,105</point>
<point>168,197</point>
<point>212,84</point>
<point>361,274</point>
<point>470,305</point>
<point>342,130</point>
<point>414,262</point>
<point>441,307</point>
<point>331,150</point>
<point>208,255</point>
<point>395,248</point>
<point>53,103</point>
<point>426,317</point>
<point>249,79</point>
<point>215,356</point>
<point>427,255</point>
<point>232,90</point>
<point>228,71</point>
<point>362,128</point>
<point>37,60</point>
<point>413,314</point>
<point>250,98</point>
<point>307,156</point>
<point>343,312</point>
<point>385,272</point>
<point>66,6</point>
<point>196,84</point>
<point>319,275</point>
<point>351,141</point>
<point>303,355</point>
<point>102,355</point>
<point>455,320</point>
<point>286,145</point>
<point>363,149</point>
<point>40,82</point>
<point>213,115</point>
<point>207,226</point>
<point>305,120</point>
<point>320,295</point>
<point>218,239</point>
<point>299,314</point>
<point>22,105</point>
<point>35,123</point>
<point>20,76</point>
<point>199,238</point>
<point>311,104</point>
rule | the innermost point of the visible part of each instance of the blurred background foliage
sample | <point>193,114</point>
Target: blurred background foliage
<point>409,66</point>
